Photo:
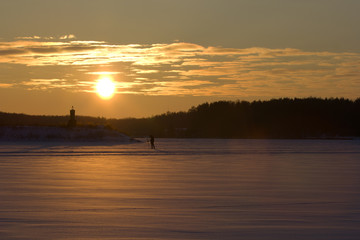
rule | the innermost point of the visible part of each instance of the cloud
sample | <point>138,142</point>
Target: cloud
<point>69,36</point>
<point>29,38</point>
<point>46,84</point>
<point>6,52</point>
<point>182,68</point>
<point>145,71</point>
<point>6,85</point>
<point>103,73</point>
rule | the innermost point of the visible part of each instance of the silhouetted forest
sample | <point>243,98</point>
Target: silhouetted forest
<point>277,118</point>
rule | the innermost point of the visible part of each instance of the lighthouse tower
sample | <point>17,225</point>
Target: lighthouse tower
<point>72,120</point>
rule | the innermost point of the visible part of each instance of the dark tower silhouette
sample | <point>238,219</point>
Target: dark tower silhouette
<point>72,120</point>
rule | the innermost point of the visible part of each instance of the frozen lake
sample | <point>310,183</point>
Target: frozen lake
<point>186,189</point>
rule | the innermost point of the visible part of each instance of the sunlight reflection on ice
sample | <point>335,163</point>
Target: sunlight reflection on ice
<point>186,189</point>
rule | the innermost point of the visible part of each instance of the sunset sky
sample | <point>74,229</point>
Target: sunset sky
<point>169,55</point>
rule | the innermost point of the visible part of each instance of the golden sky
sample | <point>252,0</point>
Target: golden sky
<point>171,55</point>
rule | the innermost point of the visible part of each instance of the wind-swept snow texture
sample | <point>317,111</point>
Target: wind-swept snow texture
<point>185,189</point>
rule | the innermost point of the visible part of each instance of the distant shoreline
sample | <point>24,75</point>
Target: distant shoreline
<point>285,118</point>
<point>61,134</point>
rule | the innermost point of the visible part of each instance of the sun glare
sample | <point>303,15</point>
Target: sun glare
<point>105,88</point>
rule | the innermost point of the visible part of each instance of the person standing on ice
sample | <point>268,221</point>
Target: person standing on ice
<point>152,140</point>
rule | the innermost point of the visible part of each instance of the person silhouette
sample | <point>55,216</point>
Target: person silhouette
<point>152,140</point>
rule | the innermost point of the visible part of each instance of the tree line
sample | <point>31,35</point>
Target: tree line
<point>276,118</point>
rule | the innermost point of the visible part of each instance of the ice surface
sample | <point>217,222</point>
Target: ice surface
<point>185,189</point>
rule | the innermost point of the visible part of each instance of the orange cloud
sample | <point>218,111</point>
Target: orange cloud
<point>185,68</point>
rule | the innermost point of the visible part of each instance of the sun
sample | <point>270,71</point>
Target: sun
<point>105,88</point>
